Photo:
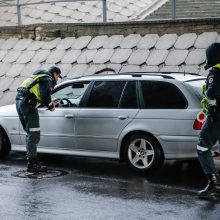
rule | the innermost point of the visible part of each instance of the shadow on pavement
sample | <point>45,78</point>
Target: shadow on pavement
<point>173,173</point>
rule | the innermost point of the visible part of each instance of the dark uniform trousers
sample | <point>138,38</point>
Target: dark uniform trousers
<point>29,118</point>
<point>208,137</point>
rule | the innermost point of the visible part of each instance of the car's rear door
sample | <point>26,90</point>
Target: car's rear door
<point>110,106</point>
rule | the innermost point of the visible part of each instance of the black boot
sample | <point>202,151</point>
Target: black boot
<point>213,187</point>
<point>35,166</point>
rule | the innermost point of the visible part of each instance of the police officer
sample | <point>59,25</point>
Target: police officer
<point>33,92</point>
<point>210,132</point>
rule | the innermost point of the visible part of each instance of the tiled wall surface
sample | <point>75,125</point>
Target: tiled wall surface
<point>86,54</point>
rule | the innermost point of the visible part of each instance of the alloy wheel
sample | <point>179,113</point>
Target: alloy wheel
<point>141,153</point>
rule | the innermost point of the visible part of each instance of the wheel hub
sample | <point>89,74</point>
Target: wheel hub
<point>142,152</point>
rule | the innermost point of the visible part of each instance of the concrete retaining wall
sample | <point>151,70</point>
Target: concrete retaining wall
<point>51,31</point>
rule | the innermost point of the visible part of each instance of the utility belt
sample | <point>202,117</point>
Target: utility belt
<point>27,97</point>
<point>213,113</point>
<point>214,110</point>
<point>210,107</point>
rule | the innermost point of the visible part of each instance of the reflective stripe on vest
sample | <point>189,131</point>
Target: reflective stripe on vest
<point>35,89</point>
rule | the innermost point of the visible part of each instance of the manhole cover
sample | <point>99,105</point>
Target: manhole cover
<point>48,174</point>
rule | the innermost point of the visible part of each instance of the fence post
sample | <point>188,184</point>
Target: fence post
<point>104,10</point>
<point>19,12</point>
<point>174,9</point>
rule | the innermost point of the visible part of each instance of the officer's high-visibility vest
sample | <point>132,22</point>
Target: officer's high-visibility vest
<point>32,85</point>
<point>204,102</point>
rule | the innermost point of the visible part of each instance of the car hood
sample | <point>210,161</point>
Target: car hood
<point>8,110</point>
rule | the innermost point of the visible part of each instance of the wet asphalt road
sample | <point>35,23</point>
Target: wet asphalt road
<point>103,189</point>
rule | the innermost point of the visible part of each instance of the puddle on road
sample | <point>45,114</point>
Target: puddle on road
<point>41,175</point>
<point>4,168</point>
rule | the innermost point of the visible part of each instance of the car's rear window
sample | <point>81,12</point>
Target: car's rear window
<point>196,86</point>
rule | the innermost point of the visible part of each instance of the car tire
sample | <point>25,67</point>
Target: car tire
<point>5,146</point>
<point>143,153</point>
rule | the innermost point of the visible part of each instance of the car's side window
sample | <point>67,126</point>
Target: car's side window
<point>105,94</point>
<point>71,94</point>
<point>129,96</point>
<point>162,95</point>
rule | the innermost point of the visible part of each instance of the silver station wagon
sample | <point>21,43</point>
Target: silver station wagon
<point>142,118</point>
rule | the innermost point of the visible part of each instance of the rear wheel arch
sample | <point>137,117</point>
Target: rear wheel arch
<point>125,138</point>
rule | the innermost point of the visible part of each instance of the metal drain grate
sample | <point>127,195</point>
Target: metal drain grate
<point>41,175</point>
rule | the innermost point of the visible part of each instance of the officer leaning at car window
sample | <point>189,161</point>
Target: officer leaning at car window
<point>210,132</point>
<point>33,92</point>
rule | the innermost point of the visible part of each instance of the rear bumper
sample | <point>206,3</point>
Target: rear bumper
<point>180,147</point>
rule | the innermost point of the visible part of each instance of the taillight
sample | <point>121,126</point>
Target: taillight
<point>197,125</point>
<point>199,121</point>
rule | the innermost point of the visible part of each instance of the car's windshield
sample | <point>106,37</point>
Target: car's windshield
<point>196,86</point>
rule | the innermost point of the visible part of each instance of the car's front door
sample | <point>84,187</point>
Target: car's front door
<point>110,106</point>
<point>58,127</point>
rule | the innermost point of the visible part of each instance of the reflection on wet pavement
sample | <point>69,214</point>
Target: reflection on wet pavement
<point>103,189</point>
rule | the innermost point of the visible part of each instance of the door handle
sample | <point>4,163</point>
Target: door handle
<point>69,116</point>
<point>122,117</point>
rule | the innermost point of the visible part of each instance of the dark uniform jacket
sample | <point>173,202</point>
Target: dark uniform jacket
<point>213,87</point>
<point>45,86</point>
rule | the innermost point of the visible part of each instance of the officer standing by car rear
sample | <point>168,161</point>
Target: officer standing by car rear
<point>210,132</point>
<point>33,92</point>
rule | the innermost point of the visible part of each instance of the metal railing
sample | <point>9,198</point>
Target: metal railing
<point>19,6</point>
<point>173,9</point>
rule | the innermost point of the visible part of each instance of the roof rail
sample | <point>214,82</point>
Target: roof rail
<point>167,73</point>
<point>138,74</point>
<point>184,73</point>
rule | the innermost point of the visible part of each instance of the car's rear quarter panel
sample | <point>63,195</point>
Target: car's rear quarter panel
<point>172,128</point>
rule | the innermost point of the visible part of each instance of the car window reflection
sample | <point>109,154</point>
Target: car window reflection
<point>71,95</point>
